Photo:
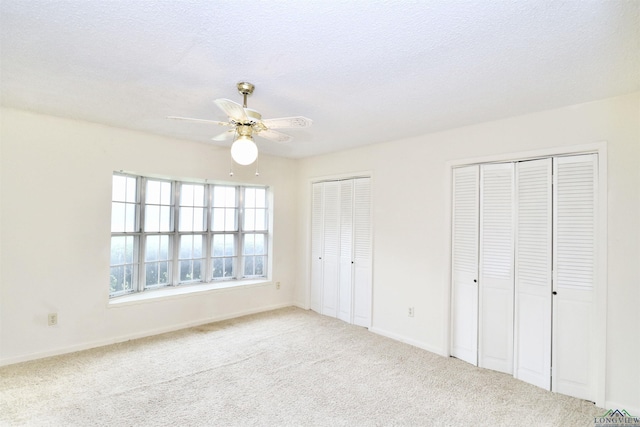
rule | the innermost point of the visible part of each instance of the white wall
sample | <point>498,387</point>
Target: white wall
<point>411,233</point>
<point>55,234</point>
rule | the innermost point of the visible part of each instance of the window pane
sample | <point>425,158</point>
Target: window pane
<point>117,217</point>
<point>117,250</point>
<point>128,278</point>
<point>261,197</point>
<point>261,219</point>
<point>248,266</point>
<point>228,267</point>
<point>185,271</point>
<point>248,245</point>
<point>152,274</point>
<point>259,244</point>
<point>165,218</point>
<point>198,195</point>
<point>224,219</point>
<point>153,192</point>
<point>157,273</point>
<point>218,219</point>
<point>130,217</point>
<point>117,279</point>
<point>164,247</point>
<point>152,218</point>
<point>152,248</point>
<point>123,189</point>
<point>230,245</point>
<point>249,219</point>
<point>190,271</point>
<point>218,245</point>
<point>163,273</point>
<point>259,266</point>
<point>218,268</point>
<point>131,190</point>
<point>224,196</point>
<point>165,193</point>
<point>119,188</point>
<point>192,195</point>
<point>128,252</point>
<point>121,250</point>
<point>186,195</point>
<point>186,219</point>
<point>197,270</point>
<point>250,197</point>
<point>197,246</point>
<point>198,219</point>
<point>230,220</point>
<point>186,244</point>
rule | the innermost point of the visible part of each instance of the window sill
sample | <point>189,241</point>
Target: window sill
<point>182,290</point>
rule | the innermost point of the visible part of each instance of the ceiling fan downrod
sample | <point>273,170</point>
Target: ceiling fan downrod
<point>245,89</point>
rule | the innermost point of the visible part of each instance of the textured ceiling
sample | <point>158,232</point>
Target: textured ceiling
<point>364,71</point>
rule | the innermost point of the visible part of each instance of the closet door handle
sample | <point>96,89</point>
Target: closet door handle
<point>554,293</point>
<point>475,280</point>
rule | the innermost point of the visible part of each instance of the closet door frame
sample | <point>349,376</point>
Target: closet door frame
<point>600,291</point>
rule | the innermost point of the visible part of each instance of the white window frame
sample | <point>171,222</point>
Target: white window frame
<point>175,234</point>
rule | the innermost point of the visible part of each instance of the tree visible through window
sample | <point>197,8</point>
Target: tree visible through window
<point>167,233</point>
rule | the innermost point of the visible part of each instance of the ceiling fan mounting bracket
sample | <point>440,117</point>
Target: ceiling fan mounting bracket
<point>245,88</point>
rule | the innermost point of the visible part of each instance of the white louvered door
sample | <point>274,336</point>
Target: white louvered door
<point>331,248</point>
<point>464,295</point>
<point>341,250</point>
<point>362,253</point>
<point>533,310</point>
<point>317,244</point>
<point>345,286</point>
<point>495,316</point>
<point>575,185</point>
<point>533,272</point>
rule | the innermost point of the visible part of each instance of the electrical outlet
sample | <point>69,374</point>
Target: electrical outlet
<point>53,319</point>
<point>411,312</point>
<point>277,285</point>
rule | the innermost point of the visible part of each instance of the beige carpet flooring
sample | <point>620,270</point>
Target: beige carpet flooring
<point>287,367</point>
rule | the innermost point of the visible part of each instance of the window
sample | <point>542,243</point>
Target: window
<point>170,233</point>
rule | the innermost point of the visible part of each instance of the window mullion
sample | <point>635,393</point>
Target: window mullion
<point>240,232</point>
<point>175,247</point>
<point>207,267</point>
<point>141,244</point>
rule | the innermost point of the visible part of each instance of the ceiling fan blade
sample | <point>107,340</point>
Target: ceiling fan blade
<point>234,110</point>
<point>224,135</point>
<point>274,135</point>
<point>288,122</point>
<point>190,119</point>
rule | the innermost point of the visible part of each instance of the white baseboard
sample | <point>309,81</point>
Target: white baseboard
<point>129,337</point>
<point>409,341</point>
<point>301,305</point>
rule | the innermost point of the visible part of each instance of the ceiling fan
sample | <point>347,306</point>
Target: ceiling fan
<point>246,122</point>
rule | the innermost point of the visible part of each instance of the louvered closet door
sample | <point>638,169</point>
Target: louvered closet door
<point>331,248</point>
<point>317,239</point>
<point>362,252</point>
<point>532,351</point>
<point>574,275</point>
<point>495,328</point>
<point>464,295</point>
<point>345,286</point>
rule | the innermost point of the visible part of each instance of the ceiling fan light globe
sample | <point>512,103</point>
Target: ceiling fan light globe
<point>244,151</point>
